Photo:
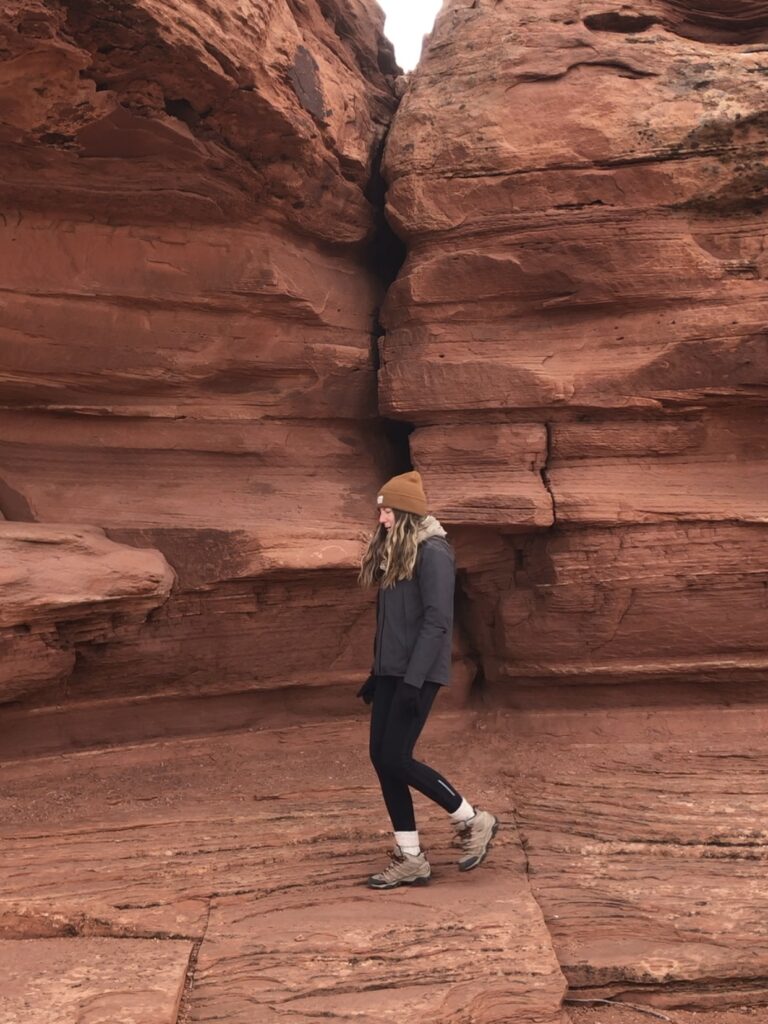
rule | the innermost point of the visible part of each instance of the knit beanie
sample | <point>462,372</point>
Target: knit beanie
<point>405,493</point>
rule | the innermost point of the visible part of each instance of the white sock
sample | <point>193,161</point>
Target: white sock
<point>463,813</point>
<point>408,842</point>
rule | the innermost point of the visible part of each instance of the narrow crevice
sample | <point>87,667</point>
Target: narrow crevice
<point>545,477</point>
<point>528,870</point>
<point>471,648</point>
<point>51,924</point>
<point>397,433</point>
<point>77,664</point>
<point>185,1003</point>
<point>385,257</point>
<point>527,863</point>
<point>691,996</point>
<point>387,251</point>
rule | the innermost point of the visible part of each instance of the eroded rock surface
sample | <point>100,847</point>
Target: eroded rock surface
<point>578,332</point>
<point>254,846</point>
<point>61,586</point>
<point>647,853</point>
<point>630,863</point>
<point>188,310</point>
<point>98,981</point>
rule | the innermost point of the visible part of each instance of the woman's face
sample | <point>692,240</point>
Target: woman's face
<point>386,518</point>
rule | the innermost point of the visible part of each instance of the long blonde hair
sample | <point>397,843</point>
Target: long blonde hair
<point>391,554</point>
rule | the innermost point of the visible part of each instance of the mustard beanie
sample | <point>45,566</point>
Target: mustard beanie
<point>405,493</point>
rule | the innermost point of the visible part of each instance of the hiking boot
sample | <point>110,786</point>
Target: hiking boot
<point>475,838</point>
<point>404,869</point>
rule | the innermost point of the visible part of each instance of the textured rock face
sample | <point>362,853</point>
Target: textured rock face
<point>62,586</point>
<point>209,107</point>
<point>579,330</point>
<point>187,319</point>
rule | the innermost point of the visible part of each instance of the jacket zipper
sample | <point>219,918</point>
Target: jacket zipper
<point>381,631</point>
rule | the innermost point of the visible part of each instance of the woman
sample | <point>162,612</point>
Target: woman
<point>412,563</point>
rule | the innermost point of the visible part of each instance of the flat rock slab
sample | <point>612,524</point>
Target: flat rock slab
<point>466,947</point>
<point>258,845</point>
<point>91,981</point>
<point>632,852</point>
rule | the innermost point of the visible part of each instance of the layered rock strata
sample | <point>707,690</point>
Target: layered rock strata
<point>188,307</point>
<point>578,333</point>
<point>61,587</point>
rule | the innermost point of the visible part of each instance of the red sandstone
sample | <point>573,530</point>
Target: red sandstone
<point>581,193</point>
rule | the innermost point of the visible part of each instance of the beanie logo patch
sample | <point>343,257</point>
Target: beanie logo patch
<point>380,500</point>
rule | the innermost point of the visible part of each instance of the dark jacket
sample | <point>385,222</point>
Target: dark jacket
<point>414,619</point>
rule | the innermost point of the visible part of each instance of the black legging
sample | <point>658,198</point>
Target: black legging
<point>394,731</point>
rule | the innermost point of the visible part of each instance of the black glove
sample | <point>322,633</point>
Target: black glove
<point>368,689</point>
<point>410,697</point>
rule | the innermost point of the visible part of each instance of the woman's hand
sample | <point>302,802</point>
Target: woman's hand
<point>368,689</point>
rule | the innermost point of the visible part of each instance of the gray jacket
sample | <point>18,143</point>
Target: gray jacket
<point>414,619</point>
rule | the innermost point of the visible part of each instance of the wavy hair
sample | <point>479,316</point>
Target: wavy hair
<point>391,554</point>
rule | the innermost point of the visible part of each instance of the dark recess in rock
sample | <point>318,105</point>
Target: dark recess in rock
<point>14,507</point>
<point>303,76</point>
<point>617,21</point>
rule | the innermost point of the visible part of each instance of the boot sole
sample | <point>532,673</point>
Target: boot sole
<point>396,885</point>
<point>479,861</point>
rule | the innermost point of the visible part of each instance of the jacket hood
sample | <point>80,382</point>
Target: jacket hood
<point>430,528</point>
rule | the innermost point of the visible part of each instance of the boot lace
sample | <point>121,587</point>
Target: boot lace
<point>462,840</point>
<point>390,873</point>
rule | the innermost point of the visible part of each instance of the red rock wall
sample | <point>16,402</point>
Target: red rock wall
<point>579,331</point>
<point>190,291</point>
<point>185,347</point>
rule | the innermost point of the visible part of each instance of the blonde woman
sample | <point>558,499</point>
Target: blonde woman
<point>412,563</point>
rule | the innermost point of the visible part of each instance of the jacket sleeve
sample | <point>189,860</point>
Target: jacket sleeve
<point>435,575</point>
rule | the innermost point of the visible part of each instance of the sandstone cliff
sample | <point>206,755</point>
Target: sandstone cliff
<point>579,335</point>
<point>190,290</point>
<point>189,447</point>
<point>185,349</point>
